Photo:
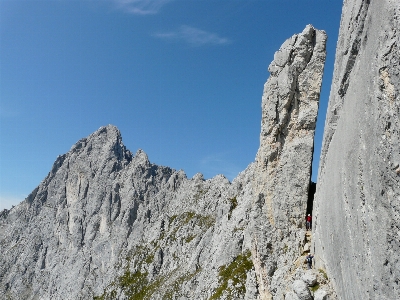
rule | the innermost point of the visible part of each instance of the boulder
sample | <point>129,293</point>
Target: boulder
<point>306,247</point>
<point>320,295</point>
<point>291,296</point>
<point>309,277</point>
<point>301,290</point>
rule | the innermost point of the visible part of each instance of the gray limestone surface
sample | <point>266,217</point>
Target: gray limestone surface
<point>291,296</point>
<point>320,295</point>
<point>309,277</point>
<point>282,170</point>
<point>108,223</point>
<point>301,290</point>
<point>357,206</point>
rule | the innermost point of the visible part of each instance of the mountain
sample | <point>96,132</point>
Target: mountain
<point>107,224</point>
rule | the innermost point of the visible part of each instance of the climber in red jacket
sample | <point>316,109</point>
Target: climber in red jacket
<point>308,222</point>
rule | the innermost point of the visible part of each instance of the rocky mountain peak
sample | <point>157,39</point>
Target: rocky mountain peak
<point>141,158</point>
<point>106,142</point>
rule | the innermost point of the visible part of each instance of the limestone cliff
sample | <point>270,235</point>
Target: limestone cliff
<point>283,163</point>
<point>106,224</point>
<point>357,207</point>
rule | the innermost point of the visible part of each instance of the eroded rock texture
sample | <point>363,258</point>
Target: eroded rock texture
<point>357,209</point>
<point>283,163</point>
<point>107,223</point>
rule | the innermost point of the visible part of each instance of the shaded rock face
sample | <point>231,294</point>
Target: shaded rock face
<point>357,202</point>
<point>283,162</point>
<point>107,224</point>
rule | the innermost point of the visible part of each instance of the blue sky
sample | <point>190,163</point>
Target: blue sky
<point>181,79</point>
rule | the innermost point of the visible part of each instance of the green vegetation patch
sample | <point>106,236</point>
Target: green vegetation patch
<point>314,288</point>
<point>172,219</point>
<point>149,258</point>
<point>134,285</point>
<point>236,273</point>
<point>179,221</point>
<point>175,286</point>
<point>189,238</point>
<point>187,216</point>
<point>323,273</point>
<point>238,229</point>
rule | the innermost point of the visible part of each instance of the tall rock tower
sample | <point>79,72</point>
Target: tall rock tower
<point>283,162</point>
<point>357,207</point>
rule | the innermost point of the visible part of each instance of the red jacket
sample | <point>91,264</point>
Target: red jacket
<point>308,218</point>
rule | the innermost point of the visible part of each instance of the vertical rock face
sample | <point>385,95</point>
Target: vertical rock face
<point>357,206</point>
<point>289,111</point>
<point>283,163</point>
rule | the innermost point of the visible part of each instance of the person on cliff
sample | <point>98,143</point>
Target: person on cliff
<point>308,222</point>
<point>309,259</point>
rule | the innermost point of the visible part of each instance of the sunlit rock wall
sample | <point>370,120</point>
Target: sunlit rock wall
<point>283,162</point>
<point>357,207</point>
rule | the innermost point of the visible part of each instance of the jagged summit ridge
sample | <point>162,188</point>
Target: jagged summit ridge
<point>104,144</point>
<point>100,207</point>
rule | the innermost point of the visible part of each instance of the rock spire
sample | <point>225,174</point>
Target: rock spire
<point>283,162</point>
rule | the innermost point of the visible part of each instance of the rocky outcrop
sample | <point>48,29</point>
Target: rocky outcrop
<point>357,206</point>
<point>283,163</point>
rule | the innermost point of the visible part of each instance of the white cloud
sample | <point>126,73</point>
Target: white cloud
<point>141,7</point>
<point>194,36</point>
<point>8,201</point>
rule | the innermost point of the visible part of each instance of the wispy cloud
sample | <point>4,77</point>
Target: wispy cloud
<point>141,7</point>
<point>194,36</point>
